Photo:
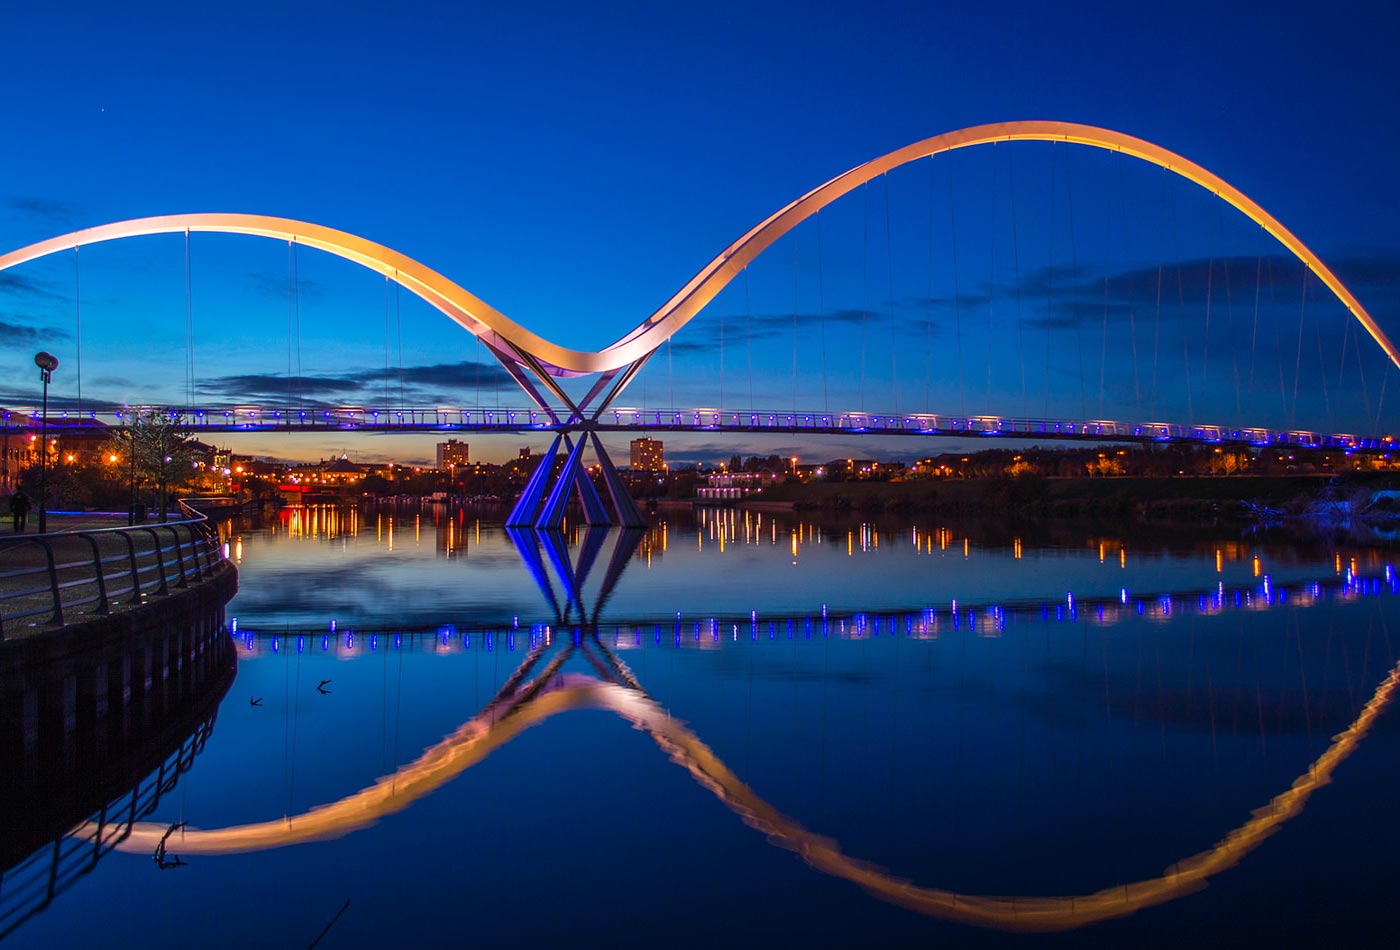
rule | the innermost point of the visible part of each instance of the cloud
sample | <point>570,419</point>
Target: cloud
<point>1055,321</point>
<point>29,398</point>
<point>743,329</point>
<point>963,301</point>
<point>44,209</point>
<point>276,287</point>
<point>17,285</point>
<point>423,385</point>
<point>20,334</point>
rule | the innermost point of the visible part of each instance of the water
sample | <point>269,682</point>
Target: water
<point>759,729</point>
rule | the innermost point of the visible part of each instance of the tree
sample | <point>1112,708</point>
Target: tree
<point>155,446</point>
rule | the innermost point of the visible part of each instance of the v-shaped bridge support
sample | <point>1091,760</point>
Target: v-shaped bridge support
<point>547,494</point>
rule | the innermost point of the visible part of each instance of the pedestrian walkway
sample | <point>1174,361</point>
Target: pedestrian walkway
<point>60,521</point>
<point>90,563</point>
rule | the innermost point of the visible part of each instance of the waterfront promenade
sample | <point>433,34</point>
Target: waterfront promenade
<point>98,620</point>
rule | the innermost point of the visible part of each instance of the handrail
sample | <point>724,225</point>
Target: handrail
<point>34,584</point>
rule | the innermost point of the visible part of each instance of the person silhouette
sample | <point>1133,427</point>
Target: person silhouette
<point>19,510</point>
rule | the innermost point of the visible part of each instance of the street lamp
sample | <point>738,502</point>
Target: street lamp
<point>47,363</point>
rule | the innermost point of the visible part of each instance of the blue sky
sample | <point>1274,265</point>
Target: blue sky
<point>572,166</point>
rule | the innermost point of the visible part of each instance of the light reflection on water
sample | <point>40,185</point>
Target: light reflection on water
<point>310,566</point>
<point>1093,711</point>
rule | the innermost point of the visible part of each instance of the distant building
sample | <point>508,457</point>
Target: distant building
<point>17,452</point>
<point>452,453</point>
<point>525,452</point>
<point>648,456</point>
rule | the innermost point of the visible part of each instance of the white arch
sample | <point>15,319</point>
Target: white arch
<point>468,310</point>
<point>511,338</point>
<point>704,286</point>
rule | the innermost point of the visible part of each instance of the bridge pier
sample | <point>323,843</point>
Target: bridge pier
<point>546,496</point>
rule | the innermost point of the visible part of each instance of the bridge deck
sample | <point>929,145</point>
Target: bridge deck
<point>640,421</point>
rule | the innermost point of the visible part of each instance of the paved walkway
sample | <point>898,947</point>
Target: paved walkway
<point>25,580</point>
<point>65,521</point>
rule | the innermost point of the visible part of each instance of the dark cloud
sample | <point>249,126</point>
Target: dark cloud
<point>1373,269</point>
<point>1274,274</point>
<point>421,385</point>
<point>21,334</point>
<point>743,329</point>
<point>17,285</point>
<point>963,301</point>
<point>277,286</point>
<point>1055,321</point>
<point>45,209</point>
<point>29,398</point>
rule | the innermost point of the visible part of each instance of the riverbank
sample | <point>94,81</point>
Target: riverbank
<point>1182,499</point>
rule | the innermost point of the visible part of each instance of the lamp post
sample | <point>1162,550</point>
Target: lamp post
<point>131,483</point>
<point>47,363</point>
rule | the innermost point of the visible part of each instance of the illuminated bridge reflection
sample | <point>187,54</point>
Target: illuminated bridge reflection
<point>540,688</point>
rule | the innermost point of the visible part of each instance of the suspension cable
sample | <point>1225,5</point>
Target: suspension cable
<point>1050,278</point>
<point>864,285</point>
<point>991,283</point>
<point>1254,329</point>
<point>821,311</point>
<point>1361,374</point>
<point>1181,299</point>
<point>296,270</point>
<point>1322,378</point>
<point>957,290</point>
<point>1016,260</point>
<point>1278,348</point>
<point>748,334</point>
<point>889,270</point>
<point>796,262</point>
<point>928,323</point>
<point>1380,404</point>
<point>386,343</point>
<point>1156,339</point>
<point>398,321</point>
<point>189,326</point>
<point>1074,274</point>
<point>1132,295</point>
<point>290,293</point>
<point>1103,326</point>
<point>1103,349</point>
<point>78,316</point>
<point>1298,358</point>
<point>1229,310</point>
<point>720,405</point>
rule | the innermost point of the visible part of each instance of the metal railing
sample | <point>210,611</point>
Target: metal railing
<point>688,419</point>
<point>47,579</point>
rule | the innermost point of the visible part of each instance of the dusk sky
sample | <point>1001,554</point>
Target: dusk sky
<point>572,166</point>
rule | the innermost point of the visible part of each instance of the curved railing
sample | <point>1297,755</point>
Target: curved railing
<point>48,579</point>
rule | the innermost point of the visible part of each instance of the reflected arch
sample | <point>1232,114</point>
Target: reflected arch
<point>549,695</point>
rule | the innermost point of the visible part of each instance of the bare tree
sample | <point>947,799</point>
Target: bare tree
<point>155,446</point>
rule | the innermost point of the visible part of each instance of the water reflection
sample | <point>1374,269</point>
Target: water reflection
<point>572,573</point>
<point>311,566</point>
<point>540,689</point>
<point>55,828</point>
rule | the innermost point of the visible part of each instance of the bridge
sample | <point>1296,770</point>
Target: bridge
<point>577,417</point>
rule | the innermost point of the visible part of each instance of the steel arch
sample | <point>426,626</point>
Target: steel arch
<point>518,343</point>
